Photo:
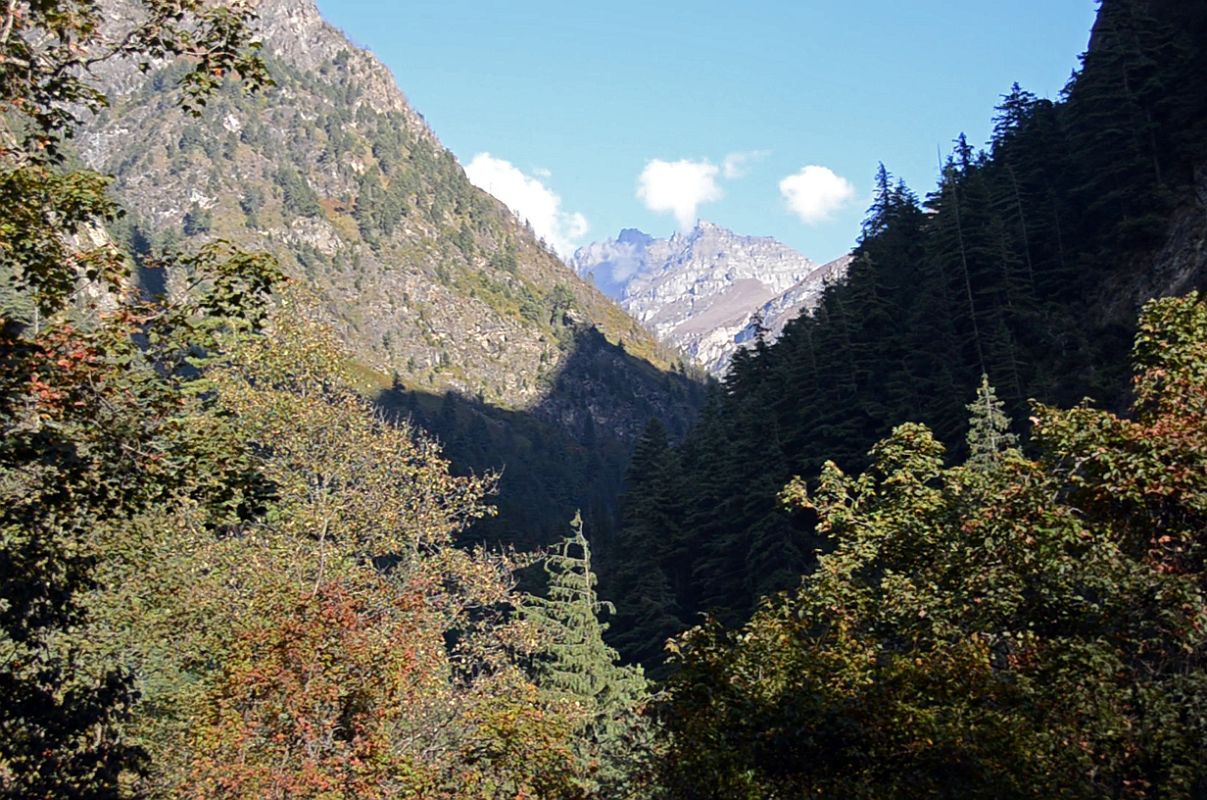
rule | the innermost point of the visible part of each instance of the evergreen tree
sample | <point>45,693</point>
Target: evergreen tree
<point>578,665</point>
<point>577,662</point>
<point>652,543</point>
<point>989,433</point>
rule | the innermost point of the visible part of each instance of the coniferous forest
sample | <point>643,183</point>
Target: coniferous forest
<point>1025,265</point>
<point>946,537</point>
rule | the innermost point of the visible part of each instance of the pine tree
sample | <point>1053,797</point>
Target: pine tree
<point>577,664</point>
<point>988,428</point>
<point>709,499</point>
<point>1014,116</point>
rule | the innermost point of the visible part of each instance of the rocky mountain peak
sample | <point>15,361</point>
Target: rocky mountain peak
<point>705,228</point>
<point>634,236</point>
<point>298,15</point>
<point>698,290</point>
<point>294,32</point>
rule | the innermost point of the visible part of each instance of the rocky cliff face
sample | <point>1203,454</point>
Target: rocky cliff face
<point>433,284</point>
<point>795,300</point>
<point>700,291</point>
<point>1176,267</point>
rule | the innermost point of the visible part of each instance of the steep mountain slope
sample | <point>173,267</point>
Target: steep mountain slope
<point>699,291</point>
<point>428,279</point>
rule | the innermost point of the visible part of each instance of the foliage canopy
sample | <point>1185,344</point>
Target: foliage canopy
<point>1031,628</point>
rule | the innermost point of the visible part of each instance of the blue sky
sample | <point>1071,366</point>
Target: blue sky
<point>768,117</point>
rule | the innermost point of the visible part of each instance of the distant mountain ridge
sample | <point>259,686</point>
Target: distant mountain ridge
<point>700,291</point>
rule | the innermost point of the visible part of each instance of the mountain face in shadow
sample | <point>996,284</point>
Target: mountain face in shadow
<point>567,452</point>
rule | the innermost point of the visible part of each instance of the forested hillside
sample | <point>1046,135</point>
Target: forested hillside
<point>1007,627</point>
<point>566,453</point>
<point>1027,263</point>
<point>426,277</point>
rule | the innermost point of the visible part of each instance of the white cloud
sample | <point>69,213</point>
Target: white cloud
<point>529,199</point>
<point>626,266</point>
<point>736,165</point>
<point>815,193</point>
<point>679,188</point>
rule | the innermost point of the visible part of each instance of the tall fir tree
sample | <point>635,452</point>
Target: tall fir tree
<point>577,664</point>
<point>989,434</point>
<point>651,537</point>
